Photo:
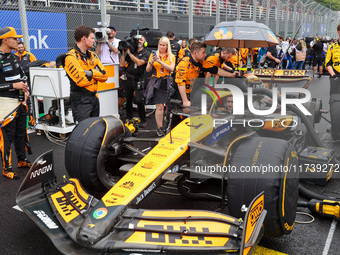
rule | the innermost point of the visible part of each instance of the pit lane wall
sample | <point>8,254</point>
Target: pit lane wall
<point>51,28</point>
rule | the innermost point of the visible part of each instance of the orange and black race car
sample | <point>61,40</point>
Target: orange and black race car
<point>249,145</point>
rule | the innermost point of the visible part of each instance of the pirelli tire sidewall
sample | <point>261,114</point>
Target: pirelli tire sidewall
<point>280,187</point>
<point>82,150</point>
<point>334,102</point>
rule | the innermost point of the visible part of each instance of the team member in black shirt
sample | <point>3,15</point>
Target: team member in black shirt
<point>135,64</point>
<point>318,49</point>
<point>272,57</point>
<point>13,96</point>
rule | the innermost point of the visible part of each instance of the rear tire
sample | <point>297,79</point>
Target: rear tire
<point>280,188</point>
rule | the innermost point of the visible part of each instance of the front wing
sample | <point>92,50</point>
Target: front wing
<point>135,230</point>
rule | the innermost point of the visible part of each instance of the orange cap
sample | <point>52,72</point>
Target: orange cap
<point>9,32</point>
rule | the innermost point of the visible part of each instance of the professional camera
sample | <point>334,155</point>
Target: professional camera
<point>129,43</point>
<point>101,33</point>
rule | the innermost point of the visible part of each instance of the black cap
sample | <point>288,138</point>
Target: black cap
<point>112,27</point>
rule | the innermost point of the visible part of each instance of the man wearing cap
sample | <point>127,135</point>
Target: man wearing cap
<point>108,50</point>
<point>13,96</point>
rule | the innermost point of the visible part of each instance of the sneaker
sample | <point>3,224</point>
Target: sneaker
<point>160,132</point>
<point>319,75</point>
<point>24,164</point>
<point>10,174</point>
<point>142,124</point>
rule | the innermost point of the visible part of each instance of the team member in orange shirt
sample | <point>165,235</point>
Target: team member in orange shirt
<point>161,65</point>
<point>84,71</point>
<point>184,52</point>
<point>188,70</point>
<point>218,58</point>
<point>25,57</point>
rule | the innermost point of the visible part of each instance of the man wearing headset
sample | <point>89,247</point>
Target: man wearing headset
<point>135,64</point>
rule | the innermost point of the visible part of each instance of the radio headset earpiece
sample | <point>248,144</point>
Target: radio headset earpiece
<point>145,44</point>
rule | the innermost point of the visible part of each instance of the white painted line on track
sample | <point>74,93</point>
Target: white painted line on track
<point>329,238</point>
<point>16,207</point>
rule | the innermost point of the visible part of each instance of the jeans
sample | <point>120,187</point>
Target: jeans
<point>298,65</point>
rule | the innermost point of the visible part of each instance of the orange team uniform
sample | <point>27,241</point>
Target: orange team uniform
<point>188,70</point>
<point>183,53</point>
<point>158,70</point>
<point>75,64</point>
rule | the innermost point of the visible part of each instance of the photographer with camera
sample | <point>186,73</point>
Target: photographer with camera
<point>134,57</point>
<point>107,48</point>
<point>84,71</point>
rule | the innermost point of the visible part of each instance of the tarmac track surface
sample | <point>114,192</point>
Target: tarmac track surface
<point>19,235</point>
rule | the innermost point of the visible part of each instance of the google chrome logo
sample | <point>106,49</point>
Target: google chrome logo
<point>100,213</point>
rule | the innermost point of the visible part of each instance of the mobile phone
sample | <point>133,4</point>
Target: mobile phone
<point>154,52</point>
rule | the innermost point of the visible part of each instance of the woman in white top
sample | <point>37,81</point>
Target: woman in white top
<point>300,53</point>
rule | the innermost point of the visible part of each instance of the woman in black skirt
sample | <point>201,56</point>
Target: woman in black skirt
<point>161,63</point>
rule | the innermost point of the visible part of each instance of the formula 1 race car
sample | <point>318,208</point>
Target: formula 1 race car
<point>255,166</point>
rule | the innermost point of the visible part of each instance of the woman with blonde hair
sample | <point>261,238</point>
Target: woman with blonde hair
<point>161,63</point>
<point>300,54</point>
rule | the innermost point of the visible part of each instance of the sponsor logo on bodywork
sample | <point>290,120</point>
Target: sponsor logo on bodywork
<point>100,213</point>
<point>159,155</point>
<point>145,192</point>
<point>148,165</point>
<point>41,171</point>
<point>127,185</point>
<point>166,148</point>
<point>138,174</point>
<point>45,219</point>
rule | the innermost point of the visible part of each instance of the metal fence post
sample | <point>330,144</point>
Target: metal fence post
<point>267,12</point>
<point>155,14</point>
<point>324,21</point>
<point>103,12</point>
<point>329,16</point>
<point>287,18</point>
<point>218,11</point>
<point>191,19</point>
<point>314,21</point>
<point>278,10</point>
<point>294,16</point>
<point>24,26</point>
<point>254,9</point>
<point>238,9</point>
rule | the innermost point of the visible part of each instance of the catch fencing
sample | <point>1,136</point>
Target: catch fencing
<point>48,25</point>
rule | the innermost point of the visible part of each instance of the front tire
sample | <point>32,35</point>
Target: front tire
<point>89,150</point>
<point>280,187</point>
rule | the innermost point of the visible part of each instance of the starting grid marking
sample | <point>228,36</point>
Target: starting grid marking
<point>329,238</point>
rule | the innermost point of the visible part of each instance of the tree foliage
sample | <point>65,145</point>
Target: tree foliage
<point>334,3</point>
